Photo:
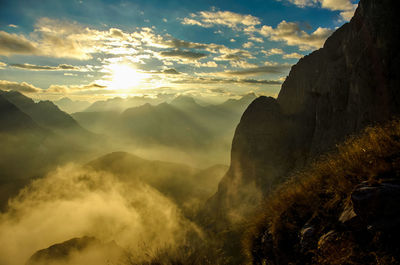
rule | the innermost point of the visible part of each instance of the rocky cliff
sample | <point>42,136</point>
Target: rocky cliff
<point>334,92</point>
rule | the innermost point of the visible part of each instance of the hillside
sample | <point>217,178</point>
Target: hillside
<point>341,210</point>
<point>334,92</point>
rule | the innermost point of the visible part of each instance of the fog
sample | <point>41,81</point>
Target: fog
<point>74,202</point>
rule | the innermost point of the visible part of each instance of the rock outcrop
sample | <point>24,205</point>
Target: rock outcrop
<point>86,249</point>
<point>330,94</point>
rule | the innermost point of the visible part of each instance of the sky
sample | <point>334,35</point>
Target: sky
<point>95,49</point>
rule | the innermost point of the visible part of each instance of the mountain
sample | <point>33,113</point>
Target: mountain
<point>45,113</point>
<point>330,94</point>
<point>120,104</point>
<point>36,138</point>
<point>202,133</point>
<point>187,186</point>
<point>237,106</point>
<point>181,123</point>
<point>163,124</point>
<point>70,106</point>
<point>12,119</point>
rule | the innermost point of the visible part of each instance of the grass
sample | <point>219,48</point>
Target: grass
<point>318,195</point>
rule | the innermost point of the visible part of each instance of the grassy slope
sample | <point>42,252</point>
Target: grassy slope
<point>319,194</point>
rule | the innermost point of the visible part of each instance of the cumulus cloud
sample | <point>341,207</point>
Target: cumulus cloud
<point>256,39</point>
<point>16,44</point>
<point>171,71</point>
<point>291,33</point>
<point>188,55</point>
<point>267,69</point>
<point>211,64</point>
<point>209,80</point>
<point>21,87</point>
<point>74,202</point>
<point>248,45</point>
<point>233,54</point>
<point>225,18</point>
<point>60,67</point>
<point>293,55</point>
<point>72,88</point>
<point>273,51</point>
<point>65,39</point>
<point>346,7</point>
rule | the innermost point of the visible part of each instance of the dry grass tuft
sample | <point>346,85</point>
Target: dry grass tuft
<point>319,194</point>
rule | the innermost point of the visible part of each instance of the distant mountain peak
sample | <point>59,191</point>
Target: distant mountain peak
<point>183,99</point>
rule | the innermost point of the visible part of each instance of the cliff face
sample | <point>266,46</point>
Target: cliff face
<point>336,91</point>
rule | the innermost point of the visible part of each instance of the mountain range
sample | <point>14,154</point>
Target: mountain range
<point>182,124</point>
<point>36,137</point>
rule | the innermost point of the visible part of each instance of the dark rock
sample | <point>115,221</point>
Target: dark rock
<point>61,253</point>
<point>263,252</point>
<point>307,237</point>
<point>327,239</point>
<point>377,204</point>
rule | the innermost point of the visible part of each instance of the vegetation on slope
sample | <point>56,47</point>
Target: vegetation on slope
<point>341,210</point>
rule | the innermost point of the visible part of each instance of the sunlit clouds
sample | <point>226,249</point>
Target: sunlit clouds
<point>67,57</point>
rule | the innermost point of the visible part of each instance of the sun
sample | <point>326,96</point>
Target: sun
<point>124,76</point>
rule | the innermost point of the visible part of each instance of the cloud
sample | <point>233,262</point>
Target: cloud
<point>60,67</point>
<point>16,44</point>
<point>273,51</point>
<point>170,42</point>
<point>267,69</point>
<point>13,26</point>
<point>346,6</point>
<point>20,87</point>
<point>225,18</point>
<point>183,54</point>
<point>208,80</point>
<point>117,33</point>
<point>242,64</point>
<point>206,64</point>
<point>291,33</point>
<point>75,202</point>
<point>256,39</point>
<point>65,39</point>
<point>2,65</point>
<point>233,54</point>
<point>248,45</point>
<point>171,71</point>
<point>293,55</point>
<point>68,89</point>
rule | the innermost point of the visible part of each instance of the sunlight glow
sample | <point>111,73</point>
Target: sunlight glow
<point>124,76</point>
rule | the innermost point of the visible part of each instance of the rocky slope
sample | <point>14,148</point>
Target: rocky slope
<point>341,210</point>
<point>336,91</point>
<point>82,250</point>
